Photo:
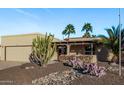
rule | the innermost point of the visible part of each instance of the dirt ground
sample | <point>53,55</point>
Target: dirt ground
<point>19,76</point>
<point>8,64</point>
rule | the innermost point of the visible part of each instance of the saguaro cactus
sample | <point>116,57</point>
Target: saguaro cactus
<point>42,49</point>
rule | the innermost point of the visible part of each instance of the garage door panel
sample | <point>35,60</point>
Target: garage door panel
<point>18,53</point>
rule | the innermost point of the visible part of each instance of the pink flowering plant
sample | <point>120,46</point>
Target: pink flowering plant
<point>87,68</point>
<point>75,63</point>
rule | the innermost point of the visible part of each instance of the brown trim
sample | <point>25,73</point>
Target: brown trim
<point>5,53</point>
<point>75,43</point>
<point>83,38</point>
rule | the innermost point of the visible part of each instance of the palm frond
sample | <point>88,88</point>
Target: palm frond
<point>87,27</point>
<point>115,31</point>
<point>69,29</point>
<point>112,41</point>
<point>110,33</point>
<point>103,37</point>
<point>122,34</point>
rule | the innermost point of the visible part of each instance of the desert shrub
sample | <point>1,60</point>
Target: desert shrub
<point>93,69</point>
<point>87,68</point>
<point>75,62</point>
<point>42,49</point>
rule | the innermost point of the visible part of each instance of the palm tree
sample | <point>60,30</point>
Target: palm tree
<point>122,39</point>
<point>69,29</point>
<point>87,27</point>
<point>112,41</point>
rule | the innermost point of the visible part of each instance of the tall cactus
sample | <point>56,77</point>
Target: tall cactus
<point>43,49</point>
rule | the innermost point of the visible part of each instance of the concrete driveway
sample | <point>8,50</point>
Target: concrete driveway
<point>4,65</point>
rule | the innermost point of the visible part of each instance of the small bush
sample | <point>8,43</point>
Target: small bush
<point>87,68</point>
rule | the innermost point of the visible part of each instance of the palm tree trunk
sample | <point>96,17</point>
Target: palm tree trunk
<point>68,42</point>
<point>86,31</point>
<point>68,36</point>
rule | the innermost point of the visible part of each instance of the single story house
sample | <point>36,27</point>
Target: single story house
<point>83,48</point>
<point>86,49</point>
<point>19,47</point>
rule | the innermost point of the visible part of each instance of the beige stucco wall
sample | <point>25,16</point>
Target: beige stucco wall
<point>2,53</point>
<point>18,47</point>
<point>24,39</point>
<point>18,40</point>
<point>54,56</point>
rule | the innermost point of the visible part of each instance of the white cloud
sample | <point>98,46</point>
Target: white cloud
<point>26,13</point>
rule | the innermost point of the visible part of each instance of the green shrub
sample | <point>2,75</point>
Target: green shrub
<point>42,49</point>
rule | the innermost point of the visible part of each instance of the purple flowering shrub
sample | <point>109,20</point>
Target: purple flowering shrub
<point>88,68</point>
<point>94,69</point>
<point>75,63</point>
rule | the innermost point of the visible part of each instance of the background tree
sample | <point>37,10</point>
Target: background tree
<point>112,41</point>
<point>69,29</point>
<point>88,28</point>
<point>122,39</point>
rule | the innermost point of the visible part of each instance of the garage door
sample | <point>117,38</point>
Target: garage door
<point>18,54</point>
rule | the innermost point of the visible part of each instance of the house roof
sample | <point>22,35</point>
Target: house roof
<point>80,39</point>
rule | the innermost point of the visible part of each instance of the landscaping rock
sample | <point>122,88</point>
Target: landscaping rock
<point>114,68</point>
<point>29,66</point>
<point>57,78</point>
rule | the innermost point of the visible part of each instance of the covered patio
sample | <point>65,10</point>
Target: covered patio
<point>83,48</point>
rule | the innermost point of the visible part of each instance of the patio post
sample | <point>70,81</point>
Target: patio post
<point>68,49</point>
<point>5,53</point>
<point>91,48</point>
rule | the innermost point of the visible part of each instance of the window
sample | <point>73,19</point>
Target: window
<point>89,49</point>
<point>62,50</point>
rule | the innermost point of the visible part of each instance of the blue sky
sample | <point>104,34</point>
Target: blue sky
<point>54,20</point>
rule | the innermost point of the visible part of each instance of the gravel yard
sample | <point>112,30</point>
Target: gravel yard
<point>57,74</point>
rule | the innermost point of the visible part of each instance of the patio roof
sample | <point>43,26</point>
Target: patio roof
<point>79,39</point>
